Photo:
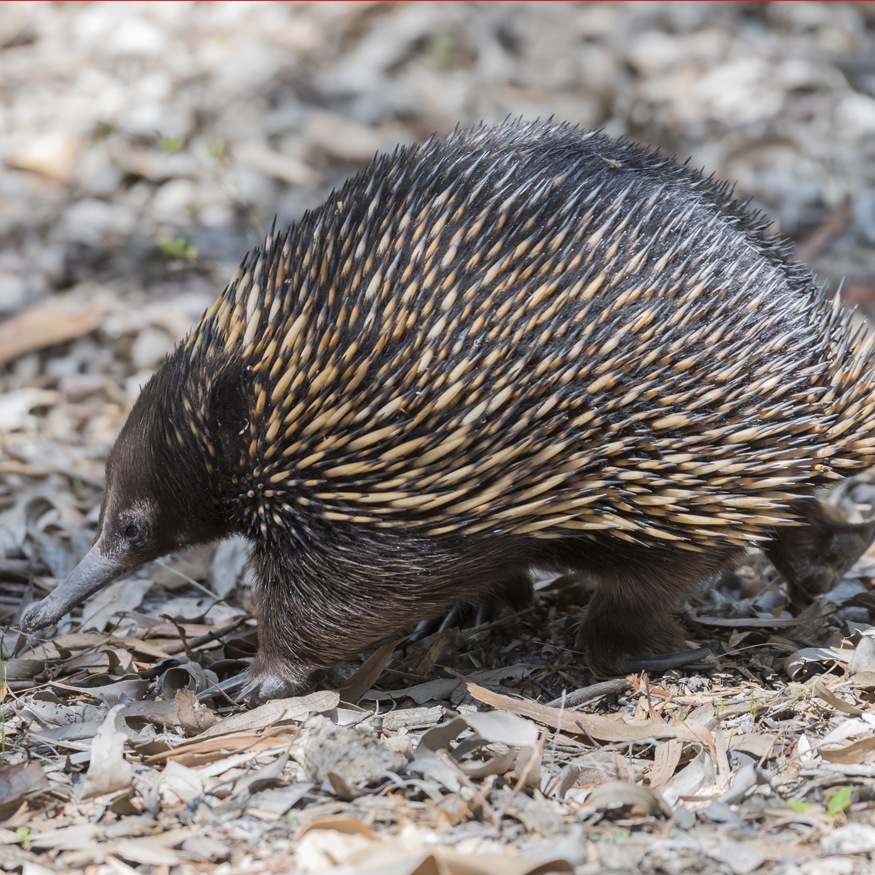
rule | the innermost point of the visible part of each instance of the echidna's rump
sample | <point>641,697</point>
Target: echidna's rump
<point>523,344</point>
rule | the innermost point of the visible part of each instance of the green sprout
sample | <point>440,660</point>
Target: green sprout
<point>442,49</point>
<point>102,131</point>
<point>178,249</point>
<point>839,801</point>
<point>800,806</point>
<point>218,149</point>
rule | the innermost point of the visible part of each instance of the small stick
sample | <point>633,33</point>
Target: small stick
<point>588,694</point>
<point>830,227</point>
<point>206,638</point>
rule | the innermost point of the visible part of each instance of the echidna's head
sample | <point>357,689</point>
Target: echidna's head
<point>159,496</point>
<point>161,492</point>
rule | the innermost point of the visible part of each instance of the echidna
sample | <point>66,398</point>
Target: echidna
<point>519,346</point>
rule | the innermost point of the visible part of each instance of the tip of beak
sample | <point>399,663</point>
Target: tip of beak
<point>93,573</point>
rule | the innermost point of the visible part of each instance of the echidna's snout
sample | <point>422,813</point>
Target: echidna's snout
<point>159,498</point>
<point>823,572</point>
<point>129,535</point>
<point>93,573</point>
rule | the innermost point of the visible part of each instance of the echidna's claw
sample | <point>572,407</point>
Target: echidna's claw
<point>230,686</point>
<point>244,688</point>
<point>486,612</point>
<point>424,629</point>
<point>463,615</point>
<point>460,616</point>
<point>660,662</point>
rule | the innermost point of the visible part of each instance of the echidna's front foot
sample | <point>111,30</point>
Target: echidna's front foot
<point>273,679</point>
<point>612,664</point>
<point>268,687</point>
<point>245,687</point>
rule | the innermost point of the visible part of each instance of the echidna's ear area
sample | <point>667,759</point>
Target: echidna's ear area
<point>535,329</point>
<point>229,413</point>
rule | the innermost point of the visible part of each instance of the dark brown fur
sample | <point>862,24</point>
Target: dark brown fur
<point>346,595</point>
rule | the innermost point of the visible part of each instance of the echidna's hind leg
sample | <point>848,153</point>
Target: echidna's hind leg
<point>629,624</point>
<point>619,636</point>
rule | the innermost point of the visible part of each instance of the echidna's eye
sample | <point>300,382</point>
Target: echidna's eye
<point>131,531</point>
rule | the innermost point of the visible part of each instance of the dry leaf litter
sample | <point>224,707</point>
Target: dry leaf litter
<point>144,149</point>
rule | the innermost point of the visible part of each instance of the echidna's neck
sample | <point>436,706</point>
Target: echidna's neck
<point>225,440</point>
<point>259,510</point>
<point>205,429</point>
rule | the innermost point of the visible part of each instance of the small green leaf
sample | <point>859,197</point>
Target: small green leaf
<point>23,834</point>
<point>839,801</point>
<point>103,130</point>
<point>799,805</point>
<point>442,50</point>
<point>218,149</point>
<point>171,144</point>
<point>178,249</point>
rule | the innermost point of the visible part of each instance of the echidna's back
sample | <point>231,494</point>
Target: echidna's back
<point>537,329</point>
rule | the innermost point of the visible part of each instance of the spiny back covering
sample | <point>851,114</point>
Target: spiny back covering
<point>533,329</point>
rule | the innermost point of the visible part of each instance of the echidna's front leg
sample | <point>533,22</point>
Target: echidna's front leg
<point>320,606</point>
<point>293,639</point>
<point>281,667</point>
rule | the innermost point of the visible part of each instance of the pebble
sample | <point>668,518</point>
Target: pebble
<point>94,221</point>
<point>175,201</point>
<point>12,291</point>
<point>53,154</point>
<point>853,838</point>
<point>150,347</point>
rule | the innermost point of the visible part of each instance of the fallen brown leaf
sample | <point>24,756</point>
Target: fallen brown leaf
<point>108,770</point>
<point>832,699</point>
<point>594,725</point>
<point>295,708</point>
<point>855,753</point>
<point>46,325</point>
<point>666,757</point>
<point>194,717</point>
